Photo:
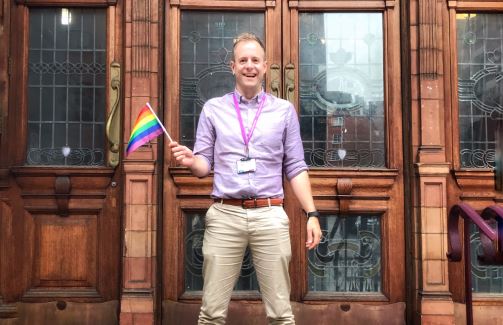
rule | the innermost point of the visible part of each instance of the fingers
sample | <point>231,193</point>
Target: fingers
<point>309,241</point>
<point>313,233</point>
<point>180,152</point>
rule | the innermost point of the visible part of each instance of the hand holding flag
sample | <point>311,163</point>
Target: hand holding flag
<point>147,127</point>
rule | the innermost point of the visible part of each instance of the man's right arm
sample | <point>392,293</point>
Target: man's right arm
<point>197,164</point>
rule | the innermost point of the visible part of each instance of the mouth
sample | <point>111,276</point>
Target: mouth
<point>250,75</point>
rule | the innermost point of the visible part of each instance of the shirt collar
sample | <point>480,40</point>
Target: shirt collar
<point>254,100</point>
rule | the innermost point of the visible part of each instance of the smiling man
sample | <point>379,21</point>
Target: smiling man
<point>250,139</point>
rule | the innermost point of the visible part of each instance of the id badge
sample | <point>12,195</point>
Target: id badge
<point>246,165</point>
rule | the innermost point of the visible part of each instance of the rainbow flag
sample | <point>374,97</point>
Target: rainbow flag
<point>146,128</point>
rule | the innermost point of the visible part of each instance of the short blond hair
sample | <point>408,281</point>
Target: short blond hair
<point>246,37</point>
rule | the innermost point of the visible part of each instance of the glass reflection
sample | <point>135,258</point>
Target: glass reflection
<point>348,259</point>
<point>480,90</point>
<point>342,89</point>
<point>206,43</point>
<point>66,86</point>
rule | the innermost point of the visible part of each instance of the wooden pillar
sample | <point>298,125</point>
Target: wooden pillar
<point>432,302</point>
<point>140,169</point>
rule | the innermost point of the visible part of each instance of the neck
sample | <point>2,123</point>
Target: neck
<point>249,93</point>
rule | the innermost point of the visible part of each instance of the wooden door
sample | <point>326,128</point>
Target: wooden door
<point>338,62</point>
<point>60,193</point>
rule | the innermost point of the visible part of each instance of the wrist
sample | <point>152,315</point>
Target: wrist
<point>311,214</point>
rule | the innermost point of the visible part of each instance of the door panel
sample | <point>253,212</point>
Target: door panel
<point>344,83</point>
<point>63,190</point>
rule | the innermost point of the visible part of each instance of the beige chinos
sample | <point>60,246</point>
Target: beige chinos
<point>229,230</point>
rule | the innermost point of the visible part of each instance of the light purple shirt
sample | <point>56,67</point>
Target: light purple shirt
<point>275,144</point>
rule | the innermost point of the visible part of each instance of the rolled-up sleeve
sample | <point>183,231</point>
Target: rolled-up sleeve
<point>293,159</point>
<point>205,137</point>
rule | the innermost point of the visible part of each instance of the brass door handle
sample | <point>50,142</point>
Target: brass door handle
<point>275,79</point>
<point>114,119</point>
<point>290,83</point>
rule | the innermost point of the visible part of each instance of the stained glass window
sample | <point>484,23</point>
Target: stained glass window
<point>342,89</point>
<point>348,258</point>
<point>479,48</point>
<point>206,51</point>
<point>66,87</point>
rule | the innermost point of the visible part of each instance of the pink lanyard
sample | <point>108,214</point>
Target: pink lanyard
<point>246,139</point>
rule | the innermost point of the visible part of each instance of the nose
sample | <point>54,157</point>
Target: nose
<point>249,64</point>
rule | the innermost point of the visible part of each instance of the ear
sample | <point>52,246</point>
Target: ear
<point>233,66</point>
<point>265,66</point>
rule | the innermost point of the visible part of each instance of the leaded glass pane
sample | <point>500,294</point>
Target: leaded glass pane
<point>342,89</point>
<point>348,258</point>
<point>205,53</point>
<point>480,45</point>
<point>194,234</point>
<point>485,278</point>
<point>66,87</point>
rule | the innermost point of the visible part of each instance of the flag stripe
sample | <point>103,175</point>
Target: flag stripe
<point>144,118</point>
<point>146,128</point>
<point>149,135</point>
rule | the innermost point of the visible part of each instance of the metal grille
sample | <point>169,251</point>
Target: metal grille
<point>194,235</point>
<point>66,87</point>
<point>206,52</point>
<point>348,258</point>
<point>342,89</point>
<point>480,45</point>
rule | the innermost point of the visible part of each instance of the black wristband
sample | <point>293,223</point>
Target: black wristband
<point>312,214</point>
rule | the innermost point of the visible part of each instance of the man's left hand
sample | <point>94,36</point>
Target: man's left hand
<point>313,233</point>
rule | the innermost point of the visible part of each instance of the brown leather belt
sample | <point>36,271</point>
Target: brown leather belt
<point>251,203</point>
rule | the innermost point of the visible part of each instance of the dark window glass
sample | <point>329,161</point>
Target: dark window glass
<point>480,86</point>
<point>348,258</point>
<point>205,53</point>
<point>342,89</point>
<point>66,87</point>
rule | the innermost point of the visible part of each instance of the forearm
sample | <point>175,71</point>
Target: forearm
<point>200,167</point>
<point>302,189</point>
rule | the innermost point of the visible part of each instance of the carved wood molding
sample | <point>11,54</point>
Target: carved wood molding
<point>140,42</point>
<point>221,4</point>
<point>62,190</point>
<point>190,186</point>
<point>475,5</point>
<point>344,187</point>
<point>8,311</point>
<point>342,4</point>
<point>363,184</point>
<point>69,3</point>
<point>37,293</point>
<point>429,46</point>
<point>482,180</point>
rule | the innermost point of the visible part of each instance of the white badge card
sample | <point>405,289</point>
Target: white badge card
<point>246,165</point>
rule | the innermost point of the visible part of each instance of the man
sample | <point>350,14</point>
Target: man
<point>251,139</point>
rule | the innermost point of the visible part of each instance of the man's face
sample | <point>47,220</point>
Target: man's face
<point>249,67</point>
